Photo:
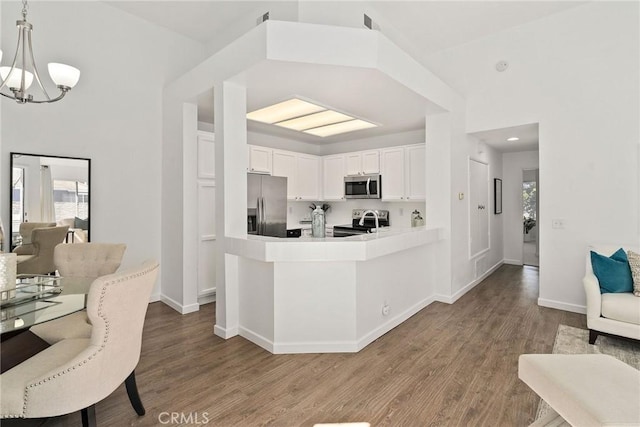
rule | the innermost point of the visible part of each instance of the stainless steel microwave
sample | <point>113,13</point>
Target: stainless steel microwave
<point>363,187</point>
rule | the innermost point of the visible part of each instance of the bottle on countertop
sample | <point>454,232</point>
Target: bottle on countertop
<point>416,219</point>
<point>317,222</point>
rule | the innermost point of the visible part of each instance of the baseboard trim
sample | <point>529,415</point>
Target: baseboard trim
<point>155,298</point>
<point>225,333</point>
<point>450,299</point>
<point>206,299</point>
<point>182,309</point>
<point>316,347</point>
<point>392,323</point>
<point>256,339</point>
<point>558,305</point>
<point>332,346</point>
<point>513,261</point>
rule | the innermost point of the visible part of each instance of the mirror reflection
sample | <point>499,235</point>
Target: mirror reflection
<point>48,191</point>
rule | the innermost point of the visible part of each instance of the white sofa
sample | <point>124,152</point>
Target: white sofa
<point>610,313</point>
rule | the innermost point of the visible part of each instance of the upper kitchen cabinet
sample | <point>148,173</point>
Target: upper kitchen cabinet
<point>393,173</point>
<point>334,170</point>
<point>404,173</point>
<point>415,172</point>
<point>363,162</point>
<point>302,172</point>
<point>260,159</point>
<point>308,178</point>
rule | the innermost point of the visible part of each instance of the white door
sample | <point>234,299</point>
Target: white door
<point>478,207</point>
<point>206,216</point>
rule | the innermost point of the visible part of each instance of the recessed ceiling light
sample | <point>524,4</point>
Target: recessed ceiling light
<point>304,116</point>
<point>513,138</point>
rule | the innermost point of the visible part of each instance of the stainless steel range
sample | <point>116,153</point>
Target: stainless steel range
<point>368,218</point>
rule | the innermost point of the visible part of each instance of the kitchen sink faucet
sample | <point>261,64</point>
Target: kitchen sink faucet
<point>375,215</point>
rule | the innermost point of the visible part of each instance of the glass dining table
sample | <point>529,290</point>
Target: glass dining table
<point>38,299</point>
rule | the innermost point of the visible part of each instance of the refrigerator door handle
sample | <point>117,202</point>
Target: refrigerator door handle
<point>263,216</point>
<point>258,218</point>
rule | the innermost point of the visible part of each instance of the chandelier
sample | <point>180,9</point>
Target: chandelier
<point>18,77</point>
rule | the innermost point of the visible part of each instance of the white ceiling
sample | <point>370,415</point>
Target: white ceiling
<point>497,138</point>
<point>424,27</point>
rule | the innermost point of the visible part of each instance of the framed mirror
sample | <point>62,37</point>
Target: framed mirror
<point>50,189</point>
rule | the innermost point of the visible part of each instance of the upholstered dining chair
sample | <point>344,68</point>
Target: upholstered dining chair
<point>74,374</point>
<point>88,259</point>
<point>25,229</point>
<point>84,260</point>
<point>44,240</point>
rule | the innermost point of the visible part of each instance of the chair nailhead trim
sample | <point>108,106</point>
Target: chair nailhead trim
<point>102,346</point>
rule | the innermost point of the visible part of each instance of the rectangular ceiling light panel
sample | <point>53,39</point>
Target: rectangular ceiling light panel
<point>344,127</point>
<point>323,118</point>
<point>303,116</point>
<point>284,111</point>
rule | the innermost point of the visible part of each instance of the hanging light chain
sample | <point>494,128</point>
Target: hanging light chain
<point>25,8</point>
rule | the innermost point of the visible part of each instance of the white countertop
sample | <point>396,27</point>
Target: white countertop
<point>360,247</point>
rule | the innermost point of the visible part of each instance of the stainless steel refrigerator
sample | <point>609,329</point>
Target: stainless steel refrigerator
<point>266,205</point>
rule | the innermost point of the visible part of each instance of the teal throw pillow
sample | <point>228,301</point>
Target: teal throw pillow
<point>613,273</point>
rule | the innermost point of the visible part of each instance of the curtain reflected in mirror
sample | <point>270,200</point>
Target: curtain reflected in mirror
<point>49,191</point>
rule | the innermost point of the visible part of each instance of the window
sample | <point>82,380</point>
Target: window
<point>70,199</point>
<point>17,198</point>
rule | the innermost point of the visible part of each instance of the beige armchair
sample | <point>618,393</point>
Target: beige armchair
<point>79,234</point>
<point>75,374</point>
<point>610,313</point>
<point>79,260</point>
<point>44,240</point>
<point>26,248</point>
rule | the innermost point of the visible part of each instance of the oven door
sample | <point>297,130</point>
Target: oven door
<point>362,187</point>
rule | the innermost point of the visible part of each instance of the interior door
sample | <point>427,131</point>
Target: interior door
<point>478,207</point>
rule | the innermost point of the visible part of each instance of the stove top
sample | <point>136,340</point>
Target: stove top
<point>355,227</point>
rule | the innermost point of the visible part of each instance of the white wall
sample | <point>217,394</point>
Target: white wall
<point>575,73</point>
<point>113,116</point>
<point>469,271</point>
<point>513,164</point>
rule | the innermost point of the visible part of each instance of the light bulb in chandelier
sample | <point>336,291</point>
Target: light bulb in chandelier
<point>16,79</point>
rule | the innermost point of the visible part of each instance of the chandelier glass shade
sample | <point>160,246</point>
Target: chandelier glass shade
<point>17,78</point>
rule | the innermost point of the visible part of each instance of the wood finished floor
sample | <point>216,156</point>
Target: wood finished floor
<point>449,365</point>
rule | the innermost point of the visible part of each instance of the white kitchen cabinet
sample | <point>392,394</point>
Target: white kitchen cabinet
<point>333,172</point>
<point>302,172</point>
<point>284,164</point>
<point>393,174</point>
<point>403,173</point>
<point>260,159</point>
<point>362,162</point>
<point>415,172</point>
<point>308,177</point>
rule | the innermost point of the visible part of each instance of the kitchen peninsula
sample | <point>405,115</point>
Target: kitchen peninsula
<point>332,294</point>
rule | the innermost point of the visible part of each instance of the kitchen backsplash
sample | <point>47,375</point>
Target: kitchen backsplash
<point>340,212</point>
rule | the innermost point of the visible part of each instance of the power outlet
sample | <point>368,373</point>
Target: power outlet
<point>401,211</point>
<point>385,310</point>
<point>557,224</point>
